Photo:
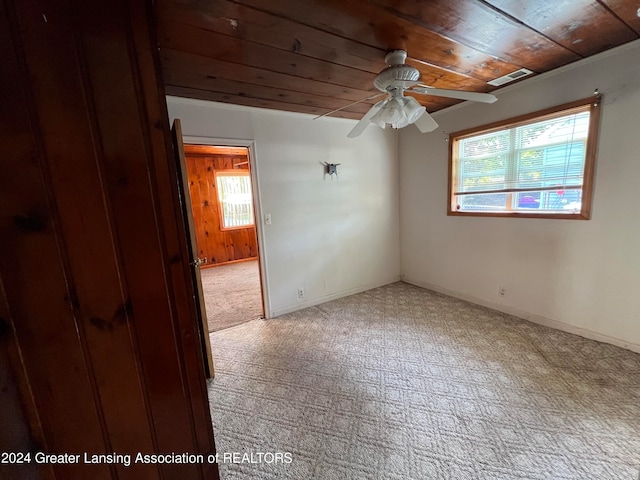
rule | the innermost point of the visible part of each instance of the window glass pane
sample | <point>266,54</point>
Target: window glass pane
<point>559,201</point>
<point>528,200</point>
<point>565,200</point>
<point>493,202</point>
<point>552,152</point>
<point>556,130</point>
<point>488,144</point>
<point>234,193</point>
<point>483,162</point>
<point>561,165</point>
<point>483,173</point>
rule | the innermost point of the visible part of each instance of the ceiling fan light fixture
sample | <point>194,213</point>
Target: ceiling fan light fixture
<point>413,109</point>
<point>398,112</point>
<point>392,112</point>
<point>403,122</point>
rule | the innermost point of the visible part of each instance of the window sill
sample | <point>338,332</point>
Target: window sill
<point>521,214</point>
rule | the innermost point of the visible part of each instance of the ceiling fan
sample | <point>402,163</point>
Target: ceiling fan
<point>397,110</point>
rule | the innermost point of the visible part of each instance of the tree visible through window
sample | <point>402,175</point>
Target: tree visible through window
<point>536,165</point>
<point>234,199</point>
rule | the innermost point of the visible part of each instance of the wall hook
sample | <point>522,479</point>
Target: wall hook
<point>332,168</point>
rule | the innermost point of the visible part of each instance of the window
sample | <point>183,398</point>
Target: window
<point>234,199</point>
<point>536,165</point>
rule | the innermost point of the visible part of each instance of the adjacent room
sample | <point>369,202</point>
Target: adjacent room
<point>432,310</point>
<point>221,200</point>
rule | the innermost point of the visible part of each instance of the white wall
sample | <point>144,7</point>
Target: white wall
<point>332,237</point>
<point>580,276</point>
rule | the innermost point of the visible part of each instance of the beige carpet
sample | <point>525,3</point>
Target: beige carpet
<point>232,294</point>
<point>403,383</point>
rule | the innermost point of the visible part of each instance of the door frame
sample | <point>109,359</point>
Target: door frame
<point>257,203</point>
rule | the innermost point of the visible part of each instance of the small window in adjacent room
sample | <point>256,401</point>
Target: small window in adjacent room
<point>234,199</point>
<point>536,165</point>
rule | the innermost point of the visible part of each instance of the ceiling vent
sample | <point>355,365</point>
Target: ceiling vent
<point>523,72</point>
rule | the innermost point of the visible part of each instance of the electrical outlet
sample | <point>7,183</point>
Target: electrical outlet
<point>267,219</point>
<point>502,292</point>
<point>301,293</point>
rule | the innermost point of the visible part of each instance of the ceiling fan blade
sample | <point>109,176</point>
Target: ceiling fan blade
<point>348,105</point>
<point>366,120</point>
<point>461,94</point>
<point>426,123</point>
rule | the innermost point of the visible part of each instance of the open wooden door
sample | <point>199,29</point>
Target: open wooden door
<point>194,261</point>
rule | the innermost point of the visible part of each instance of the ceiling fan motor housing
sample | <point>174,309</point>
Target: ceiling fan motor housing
<point>396,70</point>
<point>385,79</point>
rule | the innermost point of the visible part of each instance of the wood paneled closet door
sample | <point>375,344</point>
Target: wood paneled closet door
<point>101,350</point>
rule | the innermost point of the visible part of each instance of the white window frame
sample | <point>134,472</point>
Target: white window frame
<point>233,173</point>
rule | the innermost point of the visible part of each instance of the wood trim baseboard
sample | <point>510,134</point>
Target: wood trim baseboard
<point>532,317</point>
<point>240,260</point>
<point>333,296</point>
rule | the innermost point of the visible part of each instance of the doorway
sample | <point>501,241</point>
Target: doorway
<point>223,206</point>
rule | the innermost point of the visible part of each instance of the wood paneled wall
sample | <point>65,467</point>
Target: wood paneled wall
<point>100,347</point>
<point>215,244</point>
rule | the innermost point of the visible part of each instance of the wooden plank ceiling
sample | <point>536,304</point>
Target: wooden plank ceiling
<point>313,56</point>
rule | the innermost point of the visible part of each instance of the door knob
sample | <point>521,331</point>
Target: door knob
<point>198,261</point>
